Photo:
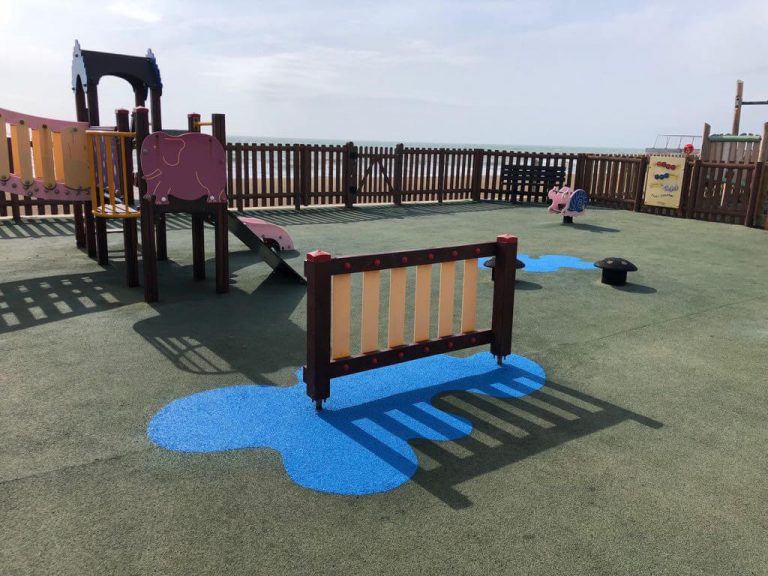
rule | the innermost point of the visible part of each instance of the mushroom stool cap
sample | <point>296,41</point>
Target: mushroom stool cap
<point>491,263</point>
<point>615,270</point>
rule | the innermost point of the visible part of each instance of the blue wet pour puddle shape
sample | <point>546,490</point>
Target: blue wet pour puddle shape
<point>359,443</point>
<point>550,263</point>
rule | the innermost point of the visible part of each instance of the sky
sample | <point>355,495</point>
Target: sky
<point>550,73</point>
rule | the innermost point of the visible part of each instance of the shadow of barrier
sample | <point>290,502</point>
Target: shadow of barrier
<point>505,430</point>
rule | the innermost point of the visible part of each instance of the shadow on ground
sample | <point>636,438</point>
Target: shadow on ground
<point>37,228</point>
<point>38,301</point>
<point>47,227</point>
<point>508,431</point>
<point>237,332</point>
<point>364,213</point>
<point>198,330</point>
<point>635,288</point>
<point>588,227</point>
<point>525,285</point>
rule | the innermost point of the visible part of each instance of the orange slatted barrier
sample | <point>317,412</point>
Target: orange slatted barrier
<point>330,311</point>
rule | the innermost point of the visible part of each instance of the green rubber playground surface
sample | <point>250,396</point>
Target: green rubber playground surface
<point>644,453</point>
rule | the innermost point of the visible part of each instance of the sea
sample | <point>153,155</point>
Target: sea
<point>460,145</point>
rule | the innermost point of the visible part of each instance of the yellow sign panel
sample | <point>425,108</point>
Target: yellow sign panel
<point>665,181</point>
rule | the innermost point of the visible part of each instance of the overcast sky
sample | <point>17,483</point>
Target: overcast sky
<point>580,73</point>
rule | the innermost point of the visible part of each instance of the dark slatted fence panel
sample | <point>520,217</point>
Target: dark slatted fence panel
<point>614,181</point>
<point>421,175</point>
<point>262,175</point>
<point>324,182</point>
<point>456,175</point>
<point>722,192</point>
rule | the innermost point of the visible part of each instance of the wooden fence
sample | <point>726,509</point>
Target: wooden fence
<point>299,175</point>
<point>613,181</point>
<point>716,191</point>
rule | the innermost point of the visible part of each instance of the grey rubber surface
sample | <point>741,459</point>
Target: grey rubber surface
<point>644,454</point>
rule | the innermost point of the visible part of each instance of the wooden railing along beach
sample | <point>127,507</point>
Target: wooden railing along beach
<point>302,175</point>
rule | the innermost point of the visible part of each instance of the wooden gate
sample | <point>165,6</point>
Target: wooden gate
<point>376,169</point>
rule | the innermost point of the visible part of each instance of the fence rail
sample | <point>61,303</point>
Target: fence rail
<point>299,175</point>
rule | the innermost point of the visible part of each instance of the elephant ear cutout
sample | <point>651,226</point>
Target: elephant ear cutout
<point>171,149</point>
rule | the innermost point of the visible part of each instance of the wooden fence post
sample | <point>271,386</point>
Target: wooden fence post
<point>640,184</point>
<point>441,178</point>
<point>477,173</point>
<point>349,177</point>
<point>503,296</point>
<point>316,373</point>
<point>296,176</point>
<point>581,167</point>
<point>239,176</point>
<point>705,151</point>
<point>754,194</point>
<point>693,190</point>
<point>398,175</point>
<point>306,174</point>
<point>685,187</point>
<point>762,153</point>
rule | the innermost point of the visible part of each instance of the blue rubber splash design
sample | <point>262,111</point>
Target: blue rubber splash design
<point>550,263</point>
<point>358,444</point>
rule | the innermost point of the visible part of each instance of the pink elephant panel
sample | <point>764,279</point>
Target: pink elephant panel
<point>187,167</point>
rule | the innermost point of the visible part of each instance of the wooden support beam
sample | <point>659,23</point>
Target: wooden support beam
<point>737,107</point>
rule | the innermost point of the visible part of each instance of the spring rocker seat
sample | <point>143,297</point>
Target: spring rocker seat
<point>567,202</point>
<point>184,174</point>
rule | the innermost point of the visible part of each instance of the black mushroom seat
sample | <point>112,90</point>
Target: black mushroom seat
<point>615,270</point>
<point>491,263</point>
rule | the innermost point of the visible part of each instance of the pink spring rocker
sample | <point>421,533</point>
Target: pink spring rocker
<point>567,202</point>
